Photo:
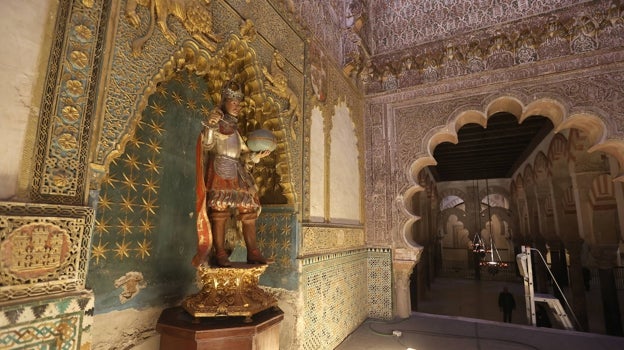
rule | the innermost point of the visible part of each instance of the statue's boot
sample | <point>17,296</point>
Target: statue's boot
<point>254,256</point>
<point>218,220</point>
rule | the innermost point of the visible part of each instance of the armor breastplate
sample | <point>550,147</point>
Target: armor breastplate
<point>227,151</point>
<point>228,145</point>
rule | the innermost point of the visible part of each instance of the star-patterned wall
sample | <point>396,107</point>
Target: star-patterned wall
<point>145,219</point>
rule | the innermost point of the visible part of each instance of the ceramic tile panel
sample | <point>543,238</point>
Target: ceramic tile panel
<point>62,323</point>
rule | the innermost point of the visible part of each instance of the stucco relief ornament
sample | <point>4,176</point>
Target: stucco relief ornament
<point>277,83</point>
<point>196,18</point>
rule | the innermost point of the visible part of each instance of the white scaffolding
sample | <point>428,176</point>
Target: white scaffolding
<point>526,270</point>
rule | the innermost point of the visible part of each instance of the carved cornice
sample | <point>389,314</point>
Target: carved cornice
<point>595,27</point>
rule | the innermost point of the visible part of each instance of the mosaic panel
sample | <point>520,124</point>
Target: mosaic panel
<point>379,283</point>
<point>65,122</point>
<point>322,240</point>
<point>64,323</point>
<point>335,293</point>
<point>43,249</point>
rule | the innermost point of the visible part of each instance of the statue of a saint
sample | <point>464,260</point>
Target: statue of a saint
<point>225,186</point>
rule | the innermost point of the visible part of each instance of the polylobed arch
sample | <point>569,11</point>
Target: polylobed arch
<point>541,167</point>
<point>547,107</point>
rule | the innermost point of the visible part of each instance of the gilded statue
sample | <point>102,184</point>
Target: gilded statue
<point>277,82</point>
<point>195,17</point>
<point>225,187</point>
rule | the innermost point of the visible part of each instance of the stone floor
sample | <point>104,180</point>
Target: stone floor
<point>464,315</point>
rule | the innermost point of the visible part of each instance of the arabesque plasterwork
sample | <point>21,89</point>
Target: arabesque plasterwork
<point>571,31</point>
<point>322,240</point>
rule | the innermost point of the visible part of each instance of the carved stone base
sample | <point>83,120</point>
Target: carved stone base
<point>229,291</point>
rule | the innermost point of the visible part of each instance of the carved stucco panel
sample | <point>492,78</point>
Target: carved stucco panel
<point>322,240</point>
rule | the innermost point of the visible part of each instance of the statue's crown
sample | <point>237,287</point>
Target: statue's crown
<point>232,91</point>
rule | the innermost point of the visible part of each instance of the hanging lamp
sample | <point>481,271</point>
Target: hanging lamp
<point>492,264</point>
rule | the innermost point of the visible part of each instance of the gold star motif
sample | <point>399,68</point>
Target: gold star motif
<point>206,95</point>
<point>157,128</point>
<point>149,205</point>
<point>99,251</point>
<point>286,230</point>
<point>161,89</point>
<point>273,227</point>
<point>152,166</point>
<point>284,261</point>
<point>108,180</point>
<point>261,242</point>
<point>273,244</point>
<point>193,85</point>
<point>150,186</point>
<point>130,182</point>
<point>146,226</point>
<point>176,97</point>
<point>158,109</point>
<point>134,141</point>
<point>104,202</point>
<point>144,249</point>
<point>285,245</point>
<point>132,161</point>
<point>154,146</point>
<point>127,203</point>
<point>262,227</point>
<point>205,111</point>
<point>122,249</point>
<point>101,226</point>
<point>125,226</point>
<point>191,104</point>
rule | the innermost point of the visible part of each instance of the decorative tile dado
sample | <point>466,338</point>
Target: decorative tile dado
<point>62,323</point>
<point>379,275</point>
<point>341,290</point>
<point>43,249</point>
<point>320,240</point>
<point>335,292</point>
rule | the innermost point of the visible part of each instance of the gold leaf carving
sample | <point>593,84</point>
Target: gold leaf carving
<point>83,32</point>
<point>70,113</point>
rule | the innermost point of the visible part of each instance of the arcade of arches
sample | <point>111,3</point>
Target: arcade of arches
<point>561,200</point>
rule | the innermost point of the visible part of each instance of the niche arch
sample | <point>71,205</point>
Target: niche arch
<point>235,60</point>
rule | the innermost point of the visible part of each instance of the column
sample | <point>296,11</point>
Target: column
<point>402,271</point>
<point>558,263</point>
<point>605,256</point>
<point>577,287</point>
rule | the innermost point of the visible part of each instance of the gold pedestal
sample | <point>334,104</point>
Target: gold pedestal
<point>229,291</point>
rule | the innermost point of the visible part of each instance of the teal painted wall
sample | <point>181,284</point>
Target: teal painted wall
<point>145,218</point>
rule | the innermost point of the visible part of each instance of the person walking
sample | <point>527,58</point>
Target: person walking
<point>507,304</point>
